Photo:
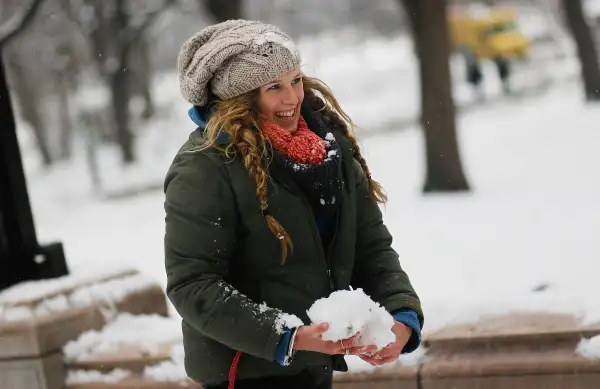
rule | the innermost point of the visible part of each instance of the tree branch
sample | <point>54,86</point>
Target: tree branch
<point>135,33</point>
<point>18,22</point>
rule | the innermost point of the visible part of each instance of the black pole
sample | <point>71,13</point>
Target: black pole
<point>21,257</point>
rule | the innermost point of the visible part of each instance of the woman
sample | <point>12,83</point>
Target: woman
<point>269,207</point>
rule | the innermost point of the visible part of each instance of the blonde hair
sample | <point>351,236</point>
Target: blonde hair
<point>239,118</point>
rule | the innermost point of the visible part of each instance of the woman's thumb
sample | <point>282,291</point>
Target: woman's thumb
<point>321,328</point>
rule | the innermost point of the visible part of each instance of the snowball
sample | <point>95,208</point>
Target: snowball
<point>351,312</point>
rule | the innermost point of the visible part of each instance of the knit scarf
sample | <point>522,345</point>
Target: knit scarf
<point>301,146</point>
<point>312,157</point>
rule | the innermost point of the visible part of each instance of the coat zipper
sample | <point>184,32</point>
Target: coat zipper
<point>329,252</point>
<point>317,237</point>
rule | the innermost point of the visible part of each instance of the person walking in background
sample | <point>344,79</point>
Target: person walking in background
<point>271,206</point>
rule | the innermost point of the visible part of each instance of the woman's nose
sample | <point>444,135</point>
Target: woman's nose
<point>289,96</point>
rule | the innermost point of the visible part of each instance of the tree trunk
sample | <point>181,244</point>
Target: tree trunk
<point>430,34</point>
<point>30,105</point>
<point>144,76</point>
<point>586,49</point>
<point>120,93</point>
<point>121,88</point>
<point>222,10</point>
<point>66,122</point>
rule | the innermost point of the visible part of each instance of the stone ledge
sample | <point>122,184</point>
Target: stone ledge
<point>522,330</point>
<point>553,381</point>
<point>31,339</point>
<point>40,335</point>
<point>510,364</point>
<point>56,287</point>
<point>519,351</point>
<point>404,377</point>
<point>33,373</point>
<point>533,351</point>
<point>136,382</point>
<point>127,357</point>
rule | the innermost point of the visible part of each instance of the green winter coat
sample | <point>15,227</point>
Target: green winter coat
<point>223,262</point>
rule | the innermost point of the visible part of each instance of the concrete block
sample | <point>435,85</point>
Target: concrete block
<point>397,377</point>
<point>33,373</point>
<point>49,333</point>
<point>128,357</point>
<point>511,352</point>
<point>136,382</point>
<point>550,381</point>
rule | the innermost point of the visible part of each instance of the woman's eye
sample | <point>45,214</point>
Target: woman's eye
<point>274,87</point>
<point>297,80</point>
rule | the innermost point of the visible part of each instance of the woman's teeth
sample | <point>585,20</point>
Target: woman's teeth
<point>285,114</point>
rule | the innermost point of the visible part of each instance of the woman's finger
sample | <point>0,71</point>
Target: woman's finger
<point>333,348</point>
<point>361,350</point>
<point>370,360</point>
<point>378,361</point>
<point>386,360</point>
<point>387,352</point>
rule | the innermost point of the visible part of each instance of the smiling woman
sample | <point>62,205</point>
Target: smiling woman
<point>270,206</point>
<point>279,101</point>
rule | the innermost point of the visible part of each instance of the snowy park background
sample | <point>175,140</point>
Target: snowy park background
<point>526,237</point>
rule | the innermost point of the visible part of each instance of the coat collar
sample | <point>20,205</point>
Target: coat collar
<point>200,115</point>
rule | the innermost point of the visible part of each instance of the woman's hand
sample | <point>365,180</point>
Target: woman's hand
<point>310,338</point>
<point>392,352</point>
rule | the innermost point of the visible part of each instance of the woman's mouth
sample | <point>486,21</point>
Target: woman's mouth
<point>286,115</point>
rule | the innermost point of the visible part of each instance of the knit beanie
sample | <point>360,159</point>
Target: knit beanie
<point>232,58</point>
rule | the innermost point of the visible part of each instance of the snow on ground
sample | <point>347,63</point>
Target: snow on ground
<point>38,299</point>
<point>85,376</point>
<point>35,290</point>
<point>146,332</point>
<point>531,219</point>
<point>173,370</point>
<point>589,348</point>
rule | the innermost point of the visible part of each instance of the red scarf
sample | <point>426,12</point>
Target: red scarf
<point>301,146</point>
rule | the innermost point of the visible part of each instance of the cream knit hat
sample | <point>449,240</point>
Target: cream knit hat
<point>232,58</point>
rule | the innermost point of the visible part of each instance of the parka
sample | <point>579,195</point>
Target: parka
<point>225,276</point>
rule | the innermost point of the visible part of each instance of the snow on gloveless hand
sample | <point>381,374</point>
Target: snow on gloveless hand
<point>350,312</point>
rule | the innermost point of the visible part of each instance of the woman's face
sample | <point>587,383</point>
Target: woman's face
<point>279,101</point>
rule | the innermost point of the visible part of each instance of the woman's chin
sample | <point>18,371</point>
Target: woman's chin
<point>288,124</point>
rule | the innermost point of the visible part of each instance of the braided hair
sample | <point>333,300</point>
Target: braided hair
<point>238,117</point>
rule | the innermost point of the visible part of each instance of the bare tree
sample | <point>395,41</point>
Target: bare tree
<point>21,20</point>
<point>116,30</point>
<point>586,49</point>
<point>429,25</point>
<point>66,71</point>
<point>30,104</point>
<point>25,95</point>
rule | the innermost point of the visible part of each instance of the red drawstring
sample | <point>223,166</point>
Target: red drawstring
<point>233,369</point>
